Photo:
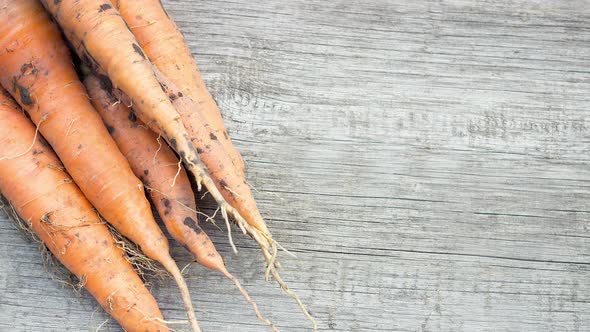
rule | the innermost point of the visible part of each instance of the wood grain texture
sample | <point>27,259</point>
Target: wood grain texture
<point>427,161</point>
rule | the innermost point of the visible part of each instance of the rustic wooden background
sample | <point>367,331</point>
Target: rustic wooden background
<point>427,161</point>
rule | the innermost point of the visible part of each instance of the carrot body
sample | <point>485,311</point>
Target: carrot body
<point>167,182</point>
<point>60,215</point>
<point>157,166</point>
<point>36,69</point>
<point>165,46</point>
<point>230,182</point>
<point>93,27</point>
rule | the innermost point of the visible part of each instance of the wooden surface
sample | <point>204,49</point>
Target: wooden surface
<point>427,161</point>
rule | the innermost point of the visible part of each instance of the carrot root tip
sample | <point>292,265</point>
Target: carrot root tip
<point>249,300</point>
<point>176,274</point>
<point>292,294</point>
<point>271,269</point>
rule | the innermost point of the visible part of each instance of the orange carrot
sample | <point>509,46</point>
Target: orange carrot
<point>36,69</point>
<point>93,27</point>
<point>165,46</point>
<point>160,171</point>
<point>32,179</point>
<point>232,185</point>
<point>158,168</point>
<point>132,73</point>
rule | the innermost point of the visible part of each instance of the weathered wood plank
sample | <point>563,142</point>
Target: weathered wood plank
<point>427,161</point>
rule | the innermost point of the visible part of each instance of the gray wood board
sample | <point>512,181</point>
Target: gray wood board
<point>427,161</point>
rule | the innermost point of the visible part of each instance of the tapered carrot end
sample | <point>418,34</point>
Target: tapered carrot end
<point>249,300</point>
<point>172,268</point>
<point>269,249</point>
<point>212,261</point>
<point>261,235</point>
<point>289,292</point>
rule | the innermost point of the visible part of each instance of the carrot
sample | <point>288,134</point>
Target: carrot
<point>132,73</point>
<point>159,169</point>
<point>36,68</point>
<point>163,176</point>
<point>165,46</point>
<point>93,27</point>
<point>227,178</point>
<point>32,179</point>
<point>233,186</point>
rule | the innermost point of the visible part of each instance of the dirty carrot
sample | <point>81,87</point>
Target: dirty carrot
<point>96,27</point>
<point>46,198</point>
<point>230,182</point>
<point>158,168</point>
<point>35,67</point>
<point>165,46</point>
<point>163,176</point>
<point>93,27</point>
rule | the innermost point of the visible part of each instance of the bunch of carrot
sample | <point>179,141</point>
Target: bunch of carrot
<point>79,152</point>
